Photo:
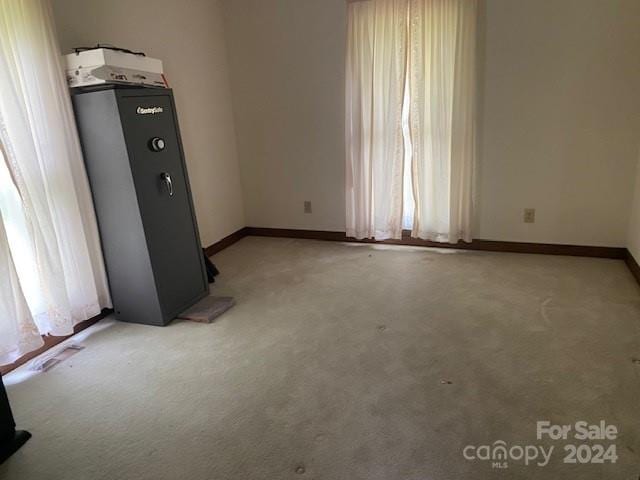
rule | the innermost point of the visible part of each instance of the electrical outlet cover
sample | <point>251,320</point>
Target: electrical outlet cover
<point>529,215</point>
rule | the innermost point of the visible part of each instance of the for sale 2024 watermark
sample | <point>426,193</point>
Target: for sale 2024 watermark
<point>582,443</point>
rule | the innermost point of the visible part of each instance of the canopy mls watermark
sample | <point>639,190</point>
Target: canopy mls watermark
<point>501,454</point>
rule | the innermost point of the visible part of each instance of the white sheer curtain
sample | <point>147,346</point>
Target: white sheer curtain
<point>376,72</point>
<point>18,333</point>
<point>433,100</point>
<point>442,117</point>
<point>44,194</point>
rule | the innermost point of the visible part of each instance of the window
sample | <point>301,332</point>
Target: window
<point>410,118</point>
<point>50,259</point>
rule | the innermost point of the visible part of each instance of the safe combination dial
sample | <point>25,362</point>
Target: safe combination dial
<point>157,144</point>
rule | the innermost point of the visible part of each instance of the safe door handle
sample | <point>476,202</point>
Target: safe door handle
<point>166,178</point>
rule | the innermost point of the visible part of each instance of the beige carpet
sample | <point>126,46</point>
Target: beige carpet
<point>348,362</point>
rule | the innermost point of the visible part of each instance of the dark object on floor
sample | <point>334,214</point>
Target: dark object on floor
<point>10,438</point>
<point>208,309</point>
<point>212,271</point>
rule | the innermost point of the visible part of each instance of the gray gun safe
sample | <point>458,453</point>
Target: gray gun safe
<point>135,163</point>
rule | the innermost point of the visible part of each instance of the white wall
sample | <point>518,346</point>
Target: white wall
<point>558,126</point>
<point>287,71</point>
<point>559,131</point>
<point>188,37</point>
<point>633,238</point>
